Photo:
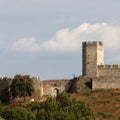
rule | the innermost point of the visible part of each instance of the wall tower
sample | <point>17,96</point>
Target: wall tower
<point>92,56</point>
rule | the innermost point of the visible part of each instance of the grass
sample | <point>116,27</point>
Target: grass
<point>118,100</point>
<point>106,103</point>
<point>104,115</point>
<point>92,92</point>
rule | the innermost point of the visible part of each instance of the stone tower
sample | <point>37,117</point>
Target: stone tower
<point>92,56</point>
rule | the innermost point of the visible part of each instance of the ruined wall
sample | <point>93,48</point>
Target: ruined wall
<point>109,71</point>
<point>38,87</point>
<point>51,87</point>
<point>105,83</point>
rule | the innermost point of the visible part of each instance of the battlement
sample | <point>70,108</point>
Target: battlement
<point>93,43</point>
<point>109,66</point>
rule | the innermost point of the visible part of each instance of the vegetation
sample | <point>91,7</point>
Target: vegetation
<point>5,90</point>
<point>106,103</point>
<point>62,107</point>
<point>17,113</point>
<point>19,86</point>
<point>104,115</point>
<point>65,106</point>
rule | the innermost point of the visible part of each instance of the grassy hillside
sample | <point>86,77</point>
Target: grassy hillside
<point>106,103</point>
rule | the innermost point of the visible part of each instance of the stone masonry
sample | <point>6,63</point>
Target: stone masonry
<point>102,76</point>
<point>93,55</point>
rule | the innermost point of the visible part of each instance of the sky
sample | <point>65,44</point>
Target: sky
<point>44,37</point>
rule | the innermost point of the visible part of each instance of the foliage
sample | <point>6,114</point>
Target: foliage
<point>104,102</point>
<point>33,106</point>
<point>4,90</point>
<point>118,100</point>
<point>5,96</point>
<point>21,86</point>
<point>18,114</point>
<point>75,110</point>
<point>62,107</point>
<point>1,107</point>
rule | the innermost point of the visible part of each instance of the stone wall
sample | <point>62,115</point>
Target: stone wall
<point>105,83</point>
<point>45,87</point>
<point>109,71</point>
<point>38,87</point>
<point>52,87</point>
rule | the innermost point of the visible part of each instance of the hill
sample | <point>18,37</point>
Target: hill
<point>106,103</point>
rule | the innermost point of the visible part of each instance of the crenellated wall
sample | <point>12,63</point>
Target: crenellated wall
<point>109,70</point>
<point>103,76</point>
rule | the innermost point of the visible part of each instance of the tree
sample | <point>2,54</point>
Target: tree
<point>64,107</point>
<point>5,94</point>
<point>21,86</point>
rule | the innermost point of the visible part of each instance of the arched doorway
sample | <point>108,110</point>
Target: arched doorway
<point>55,91</point>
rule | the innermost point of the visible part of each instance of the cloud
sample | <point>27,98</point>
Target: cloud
<point>26,44</point>
<point>66,40</point>
<point>70,40</point>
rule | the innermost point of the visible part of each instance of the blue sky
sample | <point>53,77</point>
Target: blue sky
<point>44,38</point>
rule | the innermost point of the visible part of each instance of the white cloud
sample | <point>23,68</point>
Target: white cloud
<point>70,40</point>
<point>26,44</point>
<point>66,40</point>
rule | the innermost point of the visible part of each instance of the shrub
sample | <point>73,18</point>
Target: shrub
<point>18,113</point>
<point>64,107</point>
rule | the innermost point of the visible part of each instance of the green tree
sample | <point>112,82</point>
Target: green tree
<point>21,86</point>
<point>5,94</point>
<point>64,107</point>
<point>48,109</point>
<point>64,99</point>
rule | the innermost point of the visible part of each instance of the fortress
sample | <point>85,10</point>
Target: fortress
<point>95,74</point>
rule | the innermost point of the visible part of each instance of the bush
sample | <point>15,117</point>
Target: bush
<point>64,107</point>
<point>21,86</point>
<point>18,113</point>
